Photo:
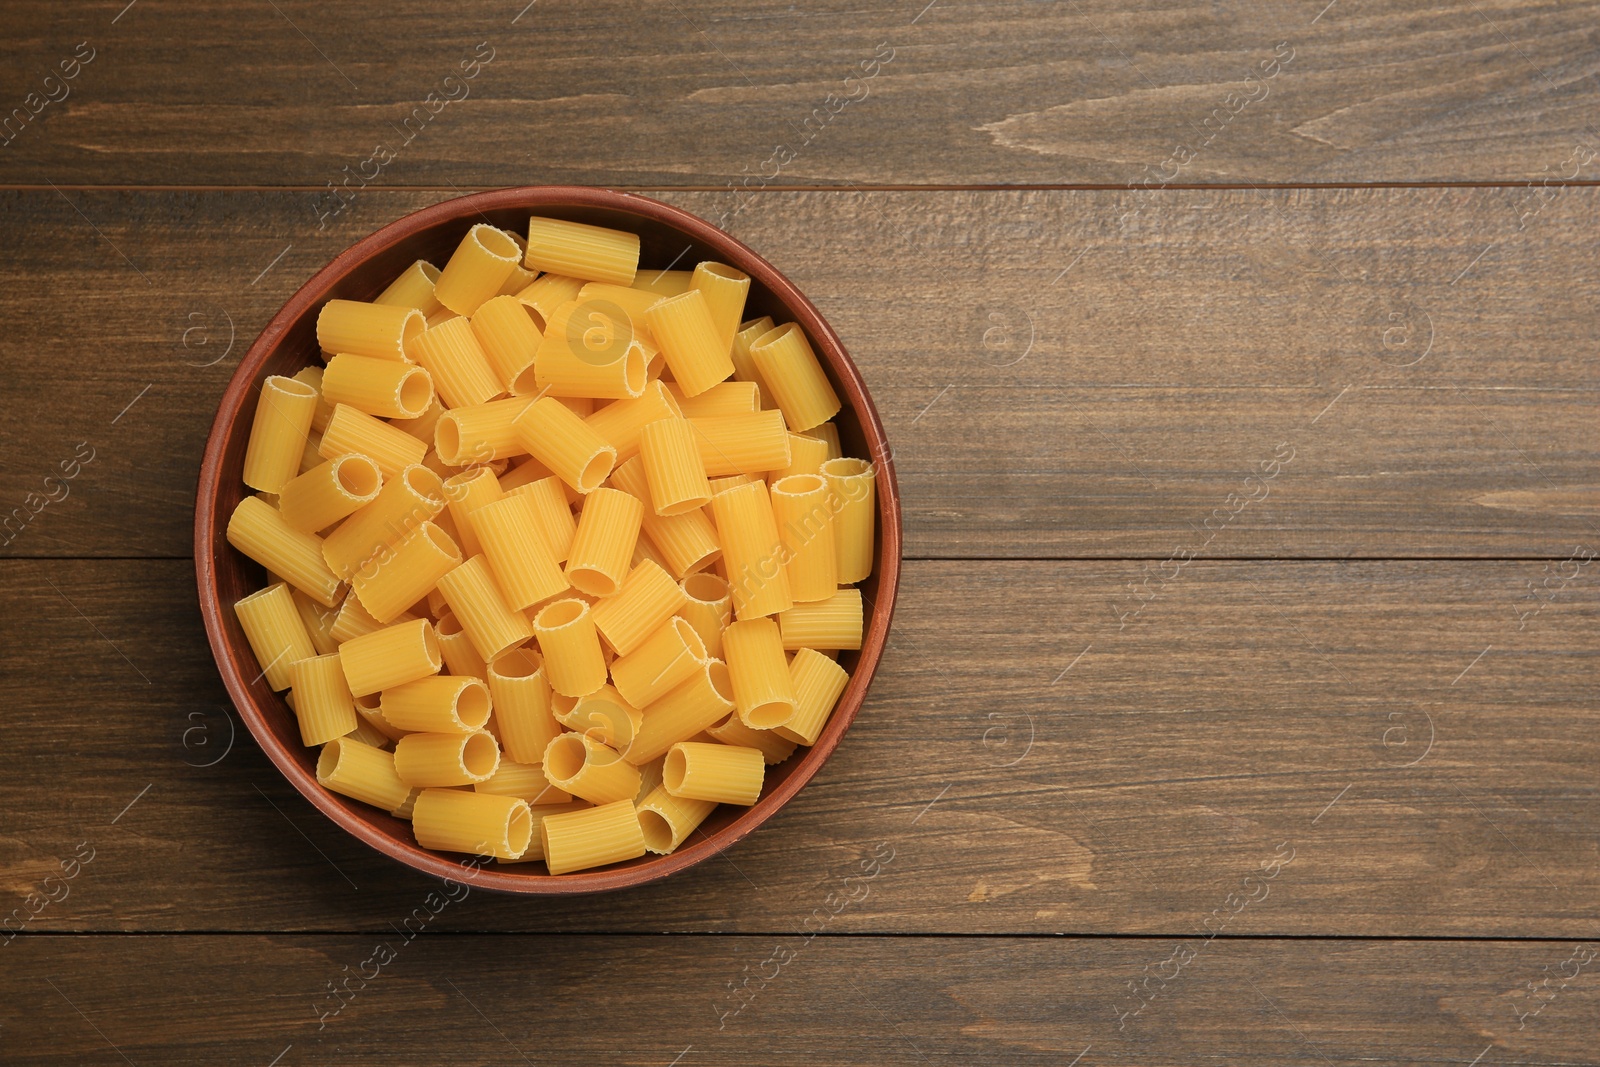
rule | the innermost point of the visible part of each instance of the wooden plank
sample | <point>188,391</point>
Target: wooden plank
<point>1428,766</point>
<point>707,93</point>
<point>850,1000</point>
<point>1420,367</point>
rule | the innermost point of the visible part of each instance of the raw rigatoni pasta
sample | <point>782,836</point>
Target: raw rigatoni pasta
<point>555,516</point>
<point>621,422</point>
<point>405,502</point>
<point>362,773</point>
<point>797,380</point>
<point>522,705</point>
<point>668,657</point>
<point>818,681</point>
<point>724,398</point>
<point>724,289</point>
<point>439,704</point>
<point>763,693</point>
<point>322,701</point>
<point>590,769</point>
<point>413,289</point>
<point>573,661</point>
<point>477,602</point>
<point>477,269</point>
<point>525,780</point>
<point>800,506</point>
<point>578,250</point>
<point>752,553</point>
<point>552,434</point>
<point>721,773</point>
<point>593,837</point>
<point>483,824</point>
<point>708,607</point>
<point>831,624</point>
<point>460,368</point>
<point>399,576</point>
<point>514,543</point>
<point>382,387</point>
<point>257,529</point>
<point>744,367</point>
<point>602,547</point>
<point>688,542</point>
<point>853,485</point>
<point>379,330</point>
<point>329,492</point>
<point>467,492</point>
<point>691,341</point>
<point>806,456</point>
<point>676,474</point>
<point>667,820</point>
<point>276,635</point>
<point>547,293</point>
<point>663,282</point>
<point>647,598</point>
<point>505,331</point>
<point>589,349</point>
<point>426,761</point>
<point>750,444</point>
<point>391,656</point>
<point>352,431</point>
<point>703,699</point>
<point>602,715</point>
<point>774,748</point>
<point>278,433</point>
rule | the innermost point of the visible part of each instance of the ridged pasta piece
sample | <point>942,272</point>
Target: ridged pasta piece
<point>440,704</point>
<point>752,553</point>
<point>405,502</point>
<point>744,367</point>
<point>708,607</point>
<point>773,747</point>
<point>728,481</point>
<point>669,450</point>
<point>378,330</point>
<point>278,433</point>
<point>663,282</point>
<point>477,269</point>
<point>647,598</point>
<point>525,780</point>
<point>798,383</point>
<point>589,350</point>
<point>589,769</point>
<point>555,517</point>
<point>622,300</point>
<point>355,431</point>
<point>721,773</point>
<point>853,484</point>
<point>724,398</point>
<point>260,532</point>
<point>389,657</point>
<point>573,662</point>
<point>801,508</point>
<point>687,541</point>
<point>621,422</point>
<point>593,837</point>
<point>724,289</point>
<point>763,693</point>
<point>318,622</point>
<point>669,656</point>
<point>413,289</point>
<point>602,547</point>
<point>353,620</point>
<point>368,734</point>
<point>460,654</point>
<point>831,624</point>
<point>362,773</point>
<point>329,492</point>
<point>691,341</point>
<point>427,761</point>
<point>322,702</point>
<point>806,456</point>
<point>578,250</point>
<point>477,602</point>
<point>506,333</point>
<point>452,820</point>
<point>666,821</point>
<point>467,492</point>
<point>385,388</point>
<point>423,426</point>
<point>553,435</point>
<point>703,699</point>
<point>547,293</point>
<point>514,545</point>
<point>602,715</point>
<point>752,444</point>
<point>481,433</point>
<point>818,682</point>
<point>277,636</point>
<point>828,433</point>
<point>312,376</point>
<point>452,355</point>
<point>400,575</point>
<point>522,704</point>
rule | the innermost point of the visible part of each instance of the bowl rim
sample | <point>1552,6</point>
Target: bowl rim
<point>207,528</point>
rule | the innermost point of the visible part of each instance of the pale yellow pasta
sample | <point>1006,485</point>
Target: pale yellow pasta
<point>763,693</point>
<point>708,607</point>
<point>329,492</point>
<point>828,433</point>
<point>460,654</point>
<point>526,472</point>
<point>664,282</point>
<point>647,598</point>
<point>276,635</point>
<point>422,427</point>
<point>444,314</point>
<point>578,250</point>
<point>278,433</point>
<point>312,376</point>
<point>797,380</point>
<point>688,542</point>
<point>318,622</point>
<point>724,289</point>
<point>379,330</point>
<point>481,433</point>
<point>369,709</point>
<point>413,289</point>
<point>309,456</point>
<point>580,406</point>
<point>389,657</point>
<point>507,335</point>
<point>426,761</point>
<point>818,682</point>
<point>384,388</point>
<point>555,516</point>
<point>368,734</point>
<point>405,502</point>
<point>361,772</point>
<point>724,398</point>
<point>522,704</point>
<point>645,549</point>
<point>852,483</point>
<point>830,624</point>
<point>728,481</point>
<point>649,779</point>
<point>477,602</point>
<point>752,443</point>
<point>669,450</point>
<point>452,355</point>
<point>752,553</point>
<point>484,824</point>
<point>703,699</point>
<point>573,662</point>
<point>593,837</point>
<point>691,341</point>
<point>525,780</point>
<point>439,704</point>
<point>621,422</point>
<point>520,277</point>
<point>666,821</point>
<point>613,300</point>
<point>260,532</point>
<point>553,435</point>
<point>353,620</point>
<point>590,770</point>
<point>549,292</point>
<point>322,702</point>
<point>477,269</point>
<point>355,431</point>
<point>466,493</point>
<point>514,544</point>
<point>806,456</point>
<point>602,715</point>
<point>744,367</point>
<point>406,808</point>
<point>720,773</point>
<point>589,349</point>
<point>602,547</point>
<point>801,508</point>
<point>773,748</point>
<point>668,657</point>
<point>401,574</point>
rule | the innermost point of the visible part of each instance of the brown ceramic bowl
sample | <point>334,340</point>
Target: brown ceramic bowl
<point>669,237</point>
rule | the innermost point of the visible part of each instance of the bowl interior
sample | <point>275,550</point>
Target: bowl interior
<point>670,239</point>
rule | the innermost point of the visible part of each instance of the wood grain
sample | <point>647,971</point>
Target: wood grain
<point>1419,355</point>
<point>511,1000</point>
<point>704,93</point>
<point>1034,767</point>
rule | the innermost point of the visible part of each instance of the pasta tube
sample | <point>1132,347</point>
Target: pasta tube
<point>480,433</point>
<point>852,485</point>
<point>386,388</point>
<point>663,282</point>
<point>525,780</point>
<point>708,607</point>
<point>399,576</point>
<point>763,693</point>
<point>476,601</point>
<point>806,456</point>
<point>602,548</point>
<point>452,355</point>
<point>507,336</point>
<point>514,544</point>
<point>578,250</point>
<point>460,654</point>
<point>413,289</point>
<point>362,773</point>
<point>278,433</point>
<point>647,598</point>
<point>828,433</point>
<point>483,824</point>
<point>522,705</point>
<point>670,453</point>
<point>389,657</point>
<point>834,623</point>
<point>666,821</point>
<point>797,380</point>
<point>544,295</point>
<point>378,330</point>
<point>668,657</point>
<point>440,704</point>
<point>477,269</point>
<point>405,502</point>
<point>590,770</point>
<point>589,349</point>
<point>353,620</point>
<point>593,837</point>
<point>276,635</point>
<point>426,761</point>
<point>422,427</point>
<point>724,398</point>
<point>573,662</point>
<point>773,747</point>
<point>549,499</point>
<point>805,527</point>
<point>691,341</point>
<point>466,493</point>
<point>704,699</point>
<point>744,367</point>
<point>688,542</point>
<point>724,289</point>
<point>322,701</point>
<point>355,431</point>
<point>312,376</point>
<point>621,422</point>
<point>602,715</point>
<point>751,551</point>
<point>752,443</point>
<point>318,622</point>
<point>818,683</point>
<point>260,532</point>
<point>720,773</point>
<point>329,492</point>
<point>560,440</point>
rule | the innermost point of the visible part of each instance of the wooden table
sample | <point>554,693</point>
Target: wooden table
<point>1239,363</point>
